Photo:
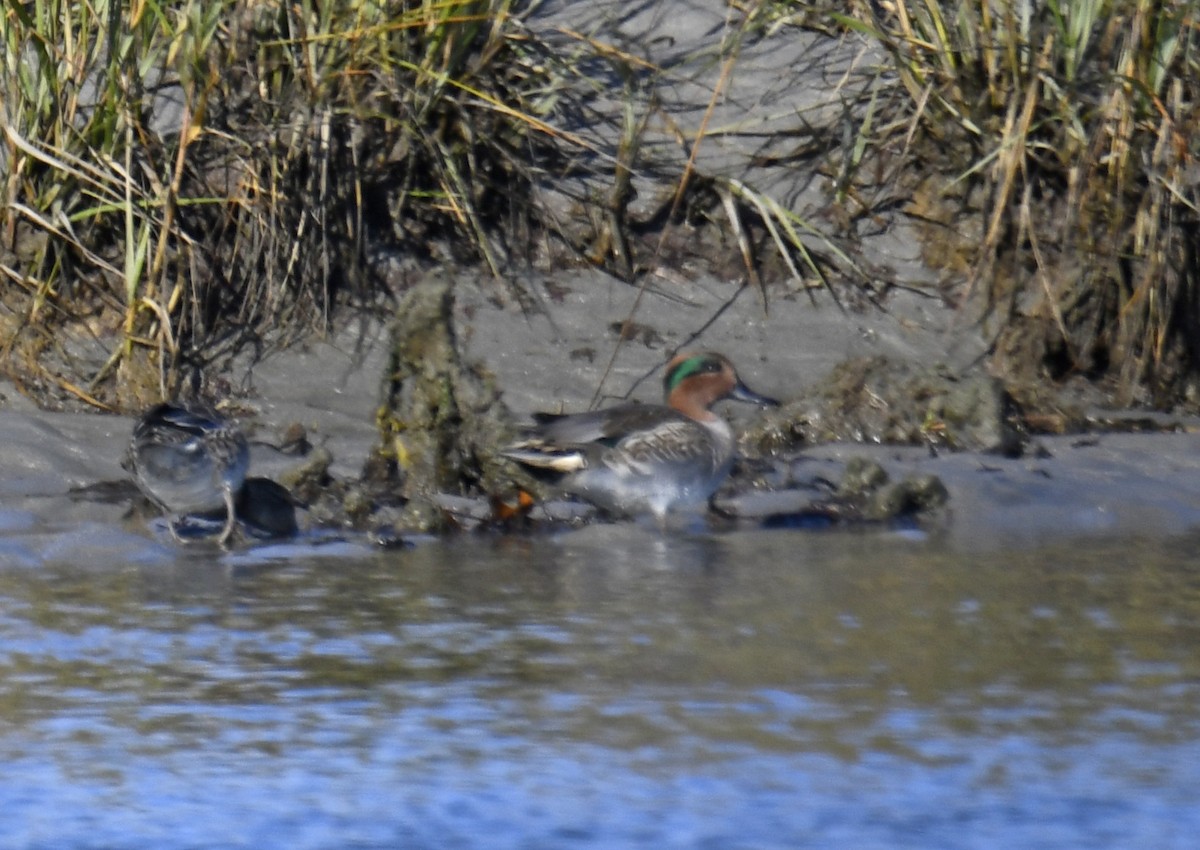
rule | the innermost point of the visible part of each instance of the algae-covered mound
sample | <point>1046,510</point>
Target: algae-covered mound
<point>440,418</point>
<point>874,399</point>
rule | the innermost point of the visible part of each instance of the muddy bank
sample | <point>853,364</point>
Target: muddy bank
<point>1057,487</point>
<point>401,442</point>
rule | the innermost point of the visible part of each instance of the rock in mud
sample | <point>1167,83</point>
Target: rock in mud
<point>917,495</point>
<point>867,494</point>
<point>310,478</point>
<point>860,478</point>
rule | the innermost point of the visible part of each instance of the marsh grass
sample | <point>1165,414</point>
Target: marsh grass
<point>90,196</point>
<point>182,177</point>
<point>1070,131</point>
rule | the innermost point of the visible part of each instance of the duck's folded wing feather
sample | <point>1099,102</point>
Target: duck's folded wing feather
<point>602,426</point>
<point>665,449</point>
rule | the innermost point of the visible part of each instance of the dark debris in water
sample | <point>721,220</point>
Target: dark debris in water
<point>806,520</point>
<point>265,511</point>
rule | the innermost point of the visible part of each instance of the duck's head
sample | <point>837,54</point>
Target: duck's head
<point>694,382</point>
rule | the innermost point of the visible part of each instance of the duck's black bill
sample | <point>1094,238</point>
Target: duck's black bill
<point>741,392</point>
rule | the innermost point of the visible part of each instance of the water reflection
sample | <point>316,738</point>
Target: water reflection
<point>746,689</point>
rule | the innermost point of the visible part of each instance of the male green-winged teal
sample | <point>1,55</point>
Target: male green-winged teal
<point>645,457</point>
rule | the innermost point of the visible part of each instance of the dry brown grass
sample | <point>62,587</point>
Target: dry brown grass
<point>1070,130</point>
<point>186,178</point>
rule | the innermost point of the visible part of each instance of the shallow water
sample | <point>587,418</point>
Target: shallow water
<point>608,688</point>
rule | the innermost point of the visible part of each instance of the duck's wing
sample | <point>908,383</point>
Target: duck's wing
<point>173,423</point>
<point>566,443</point>
<point>608,426</point>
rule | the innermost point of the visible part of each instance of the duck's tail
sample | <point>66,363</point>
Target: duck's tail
<point>547,458</point>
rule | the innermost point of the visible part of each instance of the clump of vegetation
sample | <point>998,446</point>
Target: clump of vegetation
<point>182,176</point>
<point>1060,144</point>
<point>179,178</point>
